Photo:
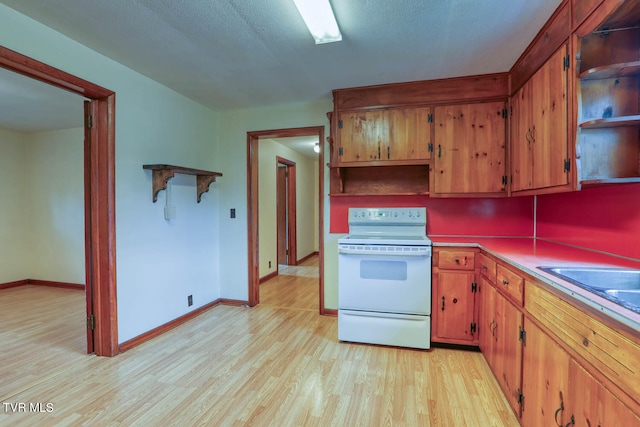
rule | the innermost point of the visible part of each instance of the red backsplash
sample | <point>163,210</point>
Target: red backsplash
<point>604,218</point>
<point>467,217</point>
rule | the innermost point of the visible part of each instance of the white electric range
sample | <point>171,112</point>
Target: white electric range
<point>384,278</point>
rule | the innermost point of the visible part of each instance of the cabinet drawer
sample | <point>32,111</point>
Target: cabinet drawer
<point>487,267</point>
<point>614,355</point>
<point>510,282</point>
<point>456,260</point>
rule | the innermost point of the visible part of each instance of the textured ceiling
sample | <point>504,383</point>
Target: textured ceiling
<point>230,54</point>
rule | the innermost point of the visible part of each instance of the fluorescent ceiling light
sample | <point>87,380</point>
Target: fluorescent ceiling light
<point>318,16</point>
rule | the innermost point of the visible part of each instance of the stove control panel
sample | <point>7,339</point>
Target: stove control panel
<point>387,215</point>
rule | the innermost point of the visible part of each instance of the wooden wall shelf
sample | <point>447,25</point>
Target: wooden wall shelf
<point>613,122</point>
<point>163,173</point>
<point>625,69</point>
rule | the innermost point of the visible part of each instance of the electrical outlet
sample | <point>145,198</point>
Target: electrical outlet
<point>232,213</point>
<point>190,300</point>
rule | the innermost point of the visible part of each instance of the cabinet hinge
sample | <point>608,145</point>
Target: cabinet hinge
<point>511,111</point>
<point>567,165</point>
<point>504,179</point>
<point>504,113</point>
<point>430,118</point>
<point>566,62</point>
<point>91,322</point>
<point>340,124</point>
<point>521,399</point>
<point>472,328</point>
<point>522,336</point>
<point>474,287</point>
<point>88,121</point>
<point>340,151</point>
<point>430,147</point>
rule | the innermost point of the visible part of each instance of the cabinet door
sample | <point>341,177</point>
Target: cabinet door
<point>521,140</point>
<point>508,350</point>
<point>360,135</point>
<point>409,135</point>
<point>486,298</point>
<point>544,380</point>
<point>550,122</point>
<point>591,404</point>
<point>453,307</point>
<point>470,148</point>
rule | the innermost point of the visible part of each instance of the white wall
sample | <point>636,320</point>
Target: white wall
<point>14,245</point>
<point>233,157</point>
<point>54,174</point>
<point>306,202</point>
<point>159,262</point>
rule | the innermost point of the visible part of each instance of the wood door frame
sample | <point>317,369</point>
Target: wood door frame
<point>253,139</point>
<point>292,236</point>
<point>99,199</point>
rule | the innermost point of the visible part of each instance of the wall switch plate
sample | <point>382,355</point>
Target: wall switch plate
<point>232,213</point>
<point>169,212</point>
<point>190,300</point>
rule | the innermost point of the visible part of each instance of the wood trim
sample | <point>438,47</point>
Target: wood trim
<point>136,341</point>
<point>76,286</point>
<point>269,276</point>
<point>234,302</point>
<point>14,284</point>
<point>101,263</point>
<point>312,254</point>
<point>253,139</point>
<point>426,92</point>
<point>330,312</point>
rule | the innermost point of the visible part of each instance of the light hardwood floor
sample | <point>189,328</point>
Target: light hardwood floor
<point>271,365</point>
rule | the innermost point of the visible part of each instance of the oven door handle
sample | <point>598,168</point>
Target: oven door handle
<point>422,252</point>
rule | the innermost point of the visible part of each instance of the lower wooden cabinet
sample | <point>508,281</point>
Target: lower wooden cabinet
<point>544,380</point>
<point>453,308</point>
<point>589,403</point>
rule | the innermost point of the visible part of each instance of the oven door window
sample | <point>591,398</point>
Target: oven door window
<point>383,270</point>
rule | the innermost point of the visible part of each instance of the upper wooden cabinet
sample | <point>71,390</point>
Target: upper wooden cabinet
<point>469,149</point>
<point>386,135</point>
<point>539,128</point>
<point>608,70</point>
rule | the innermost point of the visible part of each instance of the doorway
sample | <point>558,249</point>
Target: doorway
<point>286,211</point>
<point>253,143</point>
<point>99,200</point>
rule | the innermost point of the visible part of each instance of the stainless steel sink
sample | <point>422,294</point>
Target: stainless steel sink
<point>632,297</point>
<point>620,285</point>
<point>598,277</point>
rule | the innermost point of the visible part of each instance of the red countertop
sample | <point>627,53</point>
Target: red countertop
<point>528,253</point>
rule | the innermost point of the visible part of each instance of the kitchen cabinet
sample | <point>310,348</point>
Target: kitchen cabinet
<point>470,149</point>
<point>589,403</point>
<point>385,135</point>
<point>608,93</point>
<point>539,127</point>
<point>454,287</point>
<point>545,379</point>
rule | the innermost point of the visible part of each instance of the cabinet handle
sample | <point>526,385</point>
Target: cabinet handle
<point>457,260</point>
<point>442,303</point>
<point>491,326</point>
<point>378,151</point>
<point>439,150</point>
<point>505,282</point>
<point>484,267</point>
<point>388,153</point>
<point>555,416</point>
<point>572,422</point>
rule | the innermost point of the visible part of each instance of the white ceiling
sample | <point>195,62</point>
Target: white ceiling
<point>231,54</point>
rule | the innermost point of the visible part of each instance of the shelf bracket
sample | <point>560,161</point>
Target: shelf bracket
<point>203,182</point>
<point>160,179</point>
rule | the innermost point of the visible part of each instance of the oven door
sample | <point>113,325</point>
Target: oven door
<point>393,279</point>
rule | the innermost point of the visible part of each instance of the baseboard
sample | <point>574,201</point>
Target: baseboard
<point>14,284</point>
<point>268,276</point>
<point>36,282</point>
<point>56,284</point>
<point>311,255</point>
<point>329,312</point>
<point>133,342</point>
<point>234,302</point>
